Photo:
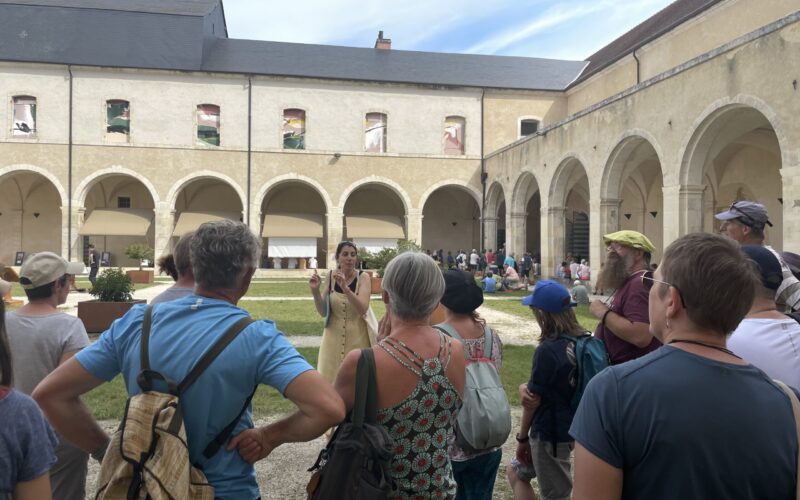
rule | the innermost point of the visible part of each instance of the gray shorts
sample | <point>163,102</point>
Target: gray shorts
<point>68,475</point>
<point>553,472</point>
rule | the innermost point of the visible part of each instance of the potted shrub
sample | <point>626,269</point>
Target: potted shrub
<point>113,291</point>
<point>379,260</point>
<point>140,252</point>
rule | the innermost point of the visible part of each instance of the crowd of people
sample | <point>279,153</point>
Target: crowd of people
<point>687,407</point>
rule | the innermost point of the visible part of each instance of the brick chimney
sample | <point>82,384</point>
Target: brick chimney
<point>383,43</point>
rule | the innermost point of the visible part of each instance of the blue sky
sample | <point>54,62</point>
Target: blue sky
<point>571,29</point>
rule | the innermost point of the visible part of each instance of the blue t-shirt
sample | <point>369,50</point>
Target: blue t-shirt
<point>684,426</point>
<point>510,261</point>
<point>489,285</point>
<point>27,442</point>
<point>550,379</point>
<point>182,331</point>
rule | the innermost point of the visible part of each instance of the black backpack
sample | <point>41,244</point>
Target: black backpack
<point>356,462</point>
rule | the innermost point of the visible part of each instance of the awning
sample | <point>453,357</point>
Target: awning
<point>292,247</point>
<point>190,221</point>
<point>374,226</point>
<point>293,225</point>
<point>118,222</point>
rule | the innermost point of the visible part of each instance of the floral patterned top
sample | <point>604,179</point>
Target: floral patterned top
<point>422,424</point>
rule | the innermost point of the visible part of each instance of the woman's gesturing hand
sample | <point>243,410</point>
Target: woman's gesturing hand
<point>314,282</point>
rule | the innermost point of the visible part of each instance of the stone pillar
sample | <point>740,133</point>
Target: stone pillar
<point>672,214</point>
<point>515,233</point>
<point>76,243</point>
<point>255,219</point>
<point>602,221</point>
<point>15,234</point>
<point>691,210</point>
<point>490,233</point>
<point>165,223</point>
<point>414,225</point>
<point>553,246</point>
<point>335,225</point>
<point>791,207</point>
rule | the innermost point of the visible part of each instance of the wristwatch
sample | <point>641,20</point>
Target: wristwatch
<point>521,440</point>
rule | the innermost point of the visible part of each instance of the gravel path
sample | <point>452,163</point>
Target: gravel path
<point>283,474</point>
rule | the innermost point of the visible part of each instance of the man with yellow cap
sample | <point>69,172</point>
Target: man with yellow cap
<point>625,323</point>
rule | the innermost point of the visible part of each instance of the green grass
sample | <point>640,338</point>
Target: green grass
<point>107,401</point>
<point>266,289</point>
<point>17,291</point>
<point>295,317</point>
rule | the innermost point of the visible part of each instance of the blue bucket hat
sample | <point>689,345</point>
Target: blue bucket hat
<point>549,296</point>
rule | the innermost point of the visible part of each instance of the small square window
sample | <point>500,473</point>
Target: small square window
<point>528,127</point>
<point>123,202</point>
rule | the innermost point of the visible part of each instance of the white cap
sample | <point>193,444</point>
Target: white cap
<point>577,282</point>
<point>45,267</point>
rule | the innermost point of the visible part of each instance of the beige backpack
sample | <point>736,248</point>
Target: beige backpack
<point>148,457</point>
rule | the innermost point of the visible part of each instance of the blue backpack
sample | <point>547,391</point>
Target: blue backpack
<point>591,358</point>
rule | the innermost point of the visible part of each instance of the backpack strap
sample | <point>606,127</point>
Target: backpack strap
<point>365,407</point>
<point>212,353</point>
<point>146,375</point>
<point>796,413</point>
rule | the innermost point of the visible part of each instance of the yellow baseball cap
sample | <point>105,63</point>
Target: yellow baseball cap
<point>633,239</point>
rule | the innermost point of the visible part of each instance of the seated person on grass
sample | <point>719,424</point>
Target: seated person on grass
<point>489,283</point>
<point>510,279</point>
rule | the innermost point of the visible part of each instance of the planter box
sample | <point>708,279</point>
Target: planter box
<point>146,276</point>
<point>98,316</point>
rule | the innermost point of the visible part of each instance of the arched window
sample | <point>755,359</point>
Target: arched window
<point>375,133</point>
<point>294,129</point>
<point>23,117</point>
<point>208,124</point>
<point>528,126</point>
<point>118,121</point>
<point>454,135</point>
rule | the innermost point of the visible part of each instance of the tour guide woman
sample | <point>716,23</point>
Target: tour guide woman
<point>348,293</point>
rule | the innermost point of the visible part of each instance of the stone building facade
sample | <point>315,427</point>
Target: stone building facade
<point>108,141</point>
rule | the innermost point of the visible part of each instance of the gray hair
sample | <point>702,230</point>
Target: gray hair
<point>415,285</point>
<point>181,254</point>
<point>221,252</point>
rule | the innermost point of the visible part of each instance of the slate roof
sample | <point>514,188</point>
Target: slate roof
<point>653,27</point>
<point>399,66</point>
<point>159,34</point>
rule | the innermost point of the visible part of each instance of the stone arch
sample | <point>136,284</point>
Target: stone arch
<point>87,183</point>
<point>451,217</point>
<point>374,179</point>
<point>282,179</point>
<point>495,196</point>
<point>22,167</point>
<point>456,183</point>
<point>178,187</point>
<point>526,199</point>
<point>521,191</point>
<point>695,146</point>
<point>625,146</point>
<point>560,182</point>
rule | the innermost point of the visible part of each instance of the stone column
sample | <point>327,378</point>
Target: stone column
<point>255,219</point>
<point>78,216</point>
<point>15,234</point>
<point>672,214</point>
<point>553,246</point>
<point>515,233</point>
<point>165,223</point>
<point>791,207</point>
<point>691,210</point>
<point>602,221</point>
<point>414,225</point>
<point>335,226</point>
<point>490,233</point>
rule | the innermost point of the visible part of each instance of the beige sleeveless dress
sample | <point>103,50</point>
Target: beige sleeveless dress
<point>346,330</point>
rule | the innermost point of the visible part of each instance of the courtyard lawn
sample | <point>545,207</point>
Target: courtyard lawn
<point>279,289</point>
<point>17,291</point>
<point>295,317</point>
<point>107,402</point>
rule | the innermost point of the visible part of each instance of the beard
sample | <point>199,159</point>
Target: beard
<point>614,273</point>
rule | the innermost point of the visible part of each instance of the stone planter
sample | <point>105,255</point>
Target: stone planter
<point>98,316</point>
<point>145,276</point>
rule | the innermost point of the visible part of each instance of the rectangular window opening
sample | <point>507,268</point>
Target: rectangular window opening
<point>23,116</point>
<point>294,129</point>
<point>208,124</point>
<point>375,133</point>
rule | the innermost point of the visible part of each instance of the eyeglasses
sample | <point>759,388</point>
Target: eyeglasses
<point>648,280</point>
<point>743,217</point>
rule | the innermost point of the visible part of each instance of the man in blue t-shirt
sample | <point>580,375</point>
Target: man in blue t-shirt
<point>224,256</point>
<point>489,283</point>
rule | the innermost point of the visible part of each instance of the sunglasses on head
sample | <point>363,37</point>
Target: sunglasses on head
<point>648,281</point>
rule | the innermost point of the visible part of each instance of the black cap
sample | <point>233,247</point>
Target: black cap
<point>462,295</point>
<point>768,265</point>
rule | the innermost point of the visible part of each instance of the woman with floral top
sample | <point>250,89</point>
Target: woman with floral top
<point>420,378</point>
<point>474,471</point>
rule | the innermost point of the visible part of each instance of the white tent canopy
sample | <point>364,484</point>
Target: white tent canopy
<point>292,247</point>
<point>190,221</point>
<point>117,222</point>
